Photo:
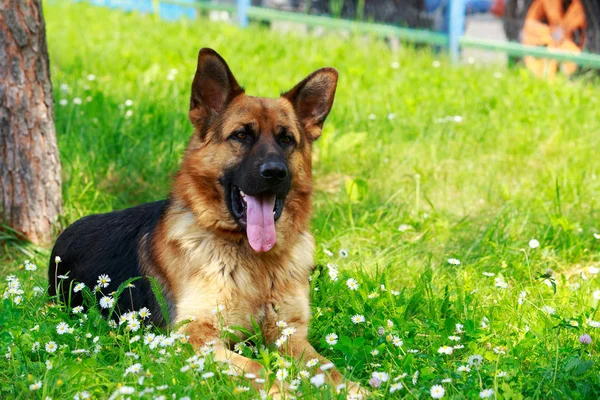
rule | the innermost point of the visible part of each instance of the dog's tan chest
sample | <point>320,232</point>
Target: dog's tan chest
<point>217,286</point>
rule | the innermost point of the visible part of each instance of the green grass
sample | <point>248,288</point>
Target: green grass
<point>521,164</point>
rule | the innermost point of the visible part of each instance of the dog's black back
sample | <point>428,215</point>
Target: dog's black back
<point>108,244</point>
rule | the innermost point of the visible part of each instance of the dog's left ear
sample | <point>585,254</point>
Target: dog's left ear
<point>312,100</point>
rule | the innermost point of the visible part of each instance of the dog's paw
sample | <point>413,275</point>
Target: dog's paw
<point>275,393</point>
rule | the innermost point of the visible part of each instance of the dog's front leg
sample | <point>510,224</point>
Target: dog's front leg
<point>244,366</point>
<point>202,334</point>
<point>302,351</point>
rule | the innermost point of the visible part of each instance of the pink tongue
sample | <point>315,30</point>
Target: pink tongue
<point>260,222</point>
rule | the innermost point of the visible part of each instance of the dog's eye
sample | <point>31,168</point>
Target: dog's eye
<point>286,139</point>
<point>242,134</point>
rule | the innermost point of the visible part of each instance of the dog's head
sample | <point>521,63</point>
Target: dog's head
<point>247,169</point>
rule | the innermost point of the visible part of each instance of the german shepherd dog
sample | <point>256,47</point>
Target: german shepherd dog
<point>233,233</point>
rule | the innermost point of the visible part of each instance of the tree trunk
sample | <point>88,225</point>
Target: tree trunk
<point>30,181</point>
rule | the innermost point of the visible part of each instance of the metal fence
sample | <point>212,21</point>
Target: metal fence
<point>440,23</point>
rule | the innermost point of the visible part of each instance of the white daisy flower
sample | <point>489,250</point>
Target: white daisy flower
<point>382,376</point>
<point>288,331</point>
<point>522,296</point>
<point>548,310</point>
<point>77,310</point>
<point>437,391</point>
<point>318,380</point>
<point>218,309</point>
<point>415,377</point>
<point>134,369</point>
<point>327,366</point>
<point>107,302</point>
<point>332,271</point>
<point>453,261</point>
<point>404,227</point>
<point>133,325</point>
<point>357,319</point>
<point>352,284</point>
<point>30,266</point>
<point>487,393</point>
<point>51,347</point>
<point>534,244</point>
<point>500,283</point>
<point>282,324</point>
<point>304,374</point>
<point>281,374</point>
<point>312,362</point>
<point>62,328</point>
<point>103,281</point>
<point>394,387</point>
<point>331,339</point>
<point>475,360</point>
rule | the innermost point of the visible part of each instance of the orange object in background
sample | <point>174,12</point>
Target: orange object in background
<point>498,8</point>
<point>548,23</point>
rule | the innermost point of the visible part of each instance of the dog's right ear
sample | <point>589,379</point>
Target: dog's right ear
<point>214,86</point>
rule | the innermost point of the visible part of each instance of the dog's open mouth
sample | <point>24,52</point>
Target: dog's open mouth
<point>257,214</point>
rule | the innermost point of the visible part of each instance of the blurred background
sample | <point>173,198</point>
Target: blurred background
<point>485,25</point>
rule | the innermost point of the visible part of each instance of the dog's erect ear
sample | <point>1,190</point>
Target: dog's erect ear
<point>213,88</point>
<point>312,100</point>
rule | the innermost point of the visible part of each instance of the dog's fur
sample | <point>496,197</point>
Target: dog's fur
<point>193,243</point>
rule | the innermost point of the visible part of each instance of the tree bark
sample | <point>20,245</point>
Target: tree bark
<point>30,173</point>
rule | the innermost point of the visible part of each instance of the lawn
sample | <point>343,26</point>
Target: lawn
<point>463,201</point>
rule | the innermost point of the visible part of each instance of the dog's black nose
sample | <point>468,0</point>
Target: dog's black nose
<point>273,170</point>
